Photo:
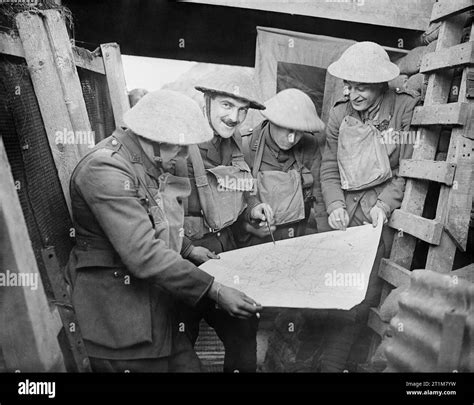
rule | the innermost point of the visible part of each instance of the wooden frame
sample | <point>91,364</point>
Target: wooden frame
<point>28,336</point>
<point>449,229</point>
<point>44,43</point>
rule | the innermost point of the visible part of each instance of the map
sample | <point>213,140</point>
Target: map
<point>325,270</point>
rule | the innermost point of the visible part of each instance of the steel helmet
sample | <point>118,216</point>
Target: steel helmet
<point>364,62</point>
<point>293,109</point>
<point>170,117</point>
<point>231,82</point>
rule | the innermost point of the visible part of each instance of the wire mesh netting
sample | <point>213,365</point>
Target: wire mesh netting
<point>32,164</point>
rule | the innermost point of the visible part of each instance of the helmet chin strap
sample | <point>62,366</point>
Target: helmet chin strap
<point>157,159</point>
<point>207,99</point>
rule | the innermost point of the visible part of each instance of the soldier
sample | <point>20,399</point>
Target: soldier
<point>126,271</point>
<point>359,170</point>
<point>284,156</point>
<point>221,183</point>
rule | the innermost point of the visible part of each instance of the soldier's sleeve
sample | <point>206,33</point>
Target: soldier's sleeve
<point>392,194</point>
<point>330,178</point>
<point>109,188</point>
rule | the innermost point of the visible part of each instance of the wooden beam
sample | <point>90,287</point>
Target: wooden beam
<point>115,81</point>
<point>448,8</point>
<point>394,274</point>
<point>439,171</point>
<point>427,230</point>
<point>376,324</point>
<point>66,311</point>
<point>407,14</point>
<point>455,203</point>
<point>452,336</point>
<point>456,56</point>
<point>439,86</point>
<point>27,335</point>
<point>11,45</point>
<point>443,114</point>
<point>466,273</point>
<point>49,57</point>
<point>85,59</point>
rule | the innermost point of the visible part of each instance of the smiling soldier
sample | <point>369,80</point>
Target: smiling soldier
<point>359,172</point>
<point>219,175</point>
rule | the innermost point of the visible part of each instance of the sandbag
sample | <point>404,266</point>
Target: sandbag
<point>411,62</point>
<point>398,82</point>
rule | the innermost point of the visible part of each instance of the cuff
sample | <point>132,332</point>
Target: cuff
<point>186,248</point>
<point>334,205</point>
<point>385,207</point>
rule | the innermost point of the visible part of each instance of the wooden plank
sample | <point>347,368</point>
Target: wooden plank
<point>452,337</point>
<point>54,73</point>
<point>427,230</point>
<point>66,311</point>
<point>85,59</point>
<point>11,45</point>
<point>439,86</point>
<point>447,8</point>
<point>466,273</point>
<point>394,274</point>
<point>444,114</point>
<point>454,203</point>
<point>407,14</point>
<point>439,171</point>
<point>115,81</point>
<point>27,334</point>
<point>376,324</point>
<point>456,56</point>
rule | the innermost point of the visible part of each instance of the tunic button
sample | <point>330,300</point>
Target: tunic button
<point>218,234</point>
<point>114,142</point>
<point>116,274</point>
<point>354,198</point>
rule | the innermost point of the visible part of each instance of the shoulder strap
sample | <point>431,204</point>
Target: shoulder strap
<point>258,154</point>
<point>135,158</point>
<point>198,165</point>
<point>246,149</point>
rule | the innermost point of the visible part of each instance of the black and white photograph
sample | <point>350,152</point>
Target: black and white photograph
<point>237,195</point>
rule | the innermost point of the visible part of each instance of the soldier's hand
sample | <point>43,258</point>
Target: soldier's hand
<point>201,254</point>
<point>377,214</point>
<point>259,231</point>
<point>339,219</point>
<point>233,301</point>
<point>262,212</point>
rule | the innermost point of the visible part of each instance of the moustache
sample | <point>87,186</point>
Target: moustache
<point>230,123</point>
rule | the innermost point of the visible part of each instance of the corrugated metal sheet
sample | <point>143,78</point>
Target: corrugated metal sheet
<point>418,326</point>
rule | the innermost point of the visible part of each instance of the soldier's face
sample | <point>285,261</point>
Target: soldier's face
<point>170,154</point>
<point>363,95</point>
<point>285,138</point>
<point>226,114</point>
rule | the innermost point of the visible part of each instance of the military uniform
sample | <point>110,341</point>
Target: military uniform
<point>400,105</point>
<point>238,335</point>
<point>124,277</point>
<point>214,153</point>
<point>306,153</point>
